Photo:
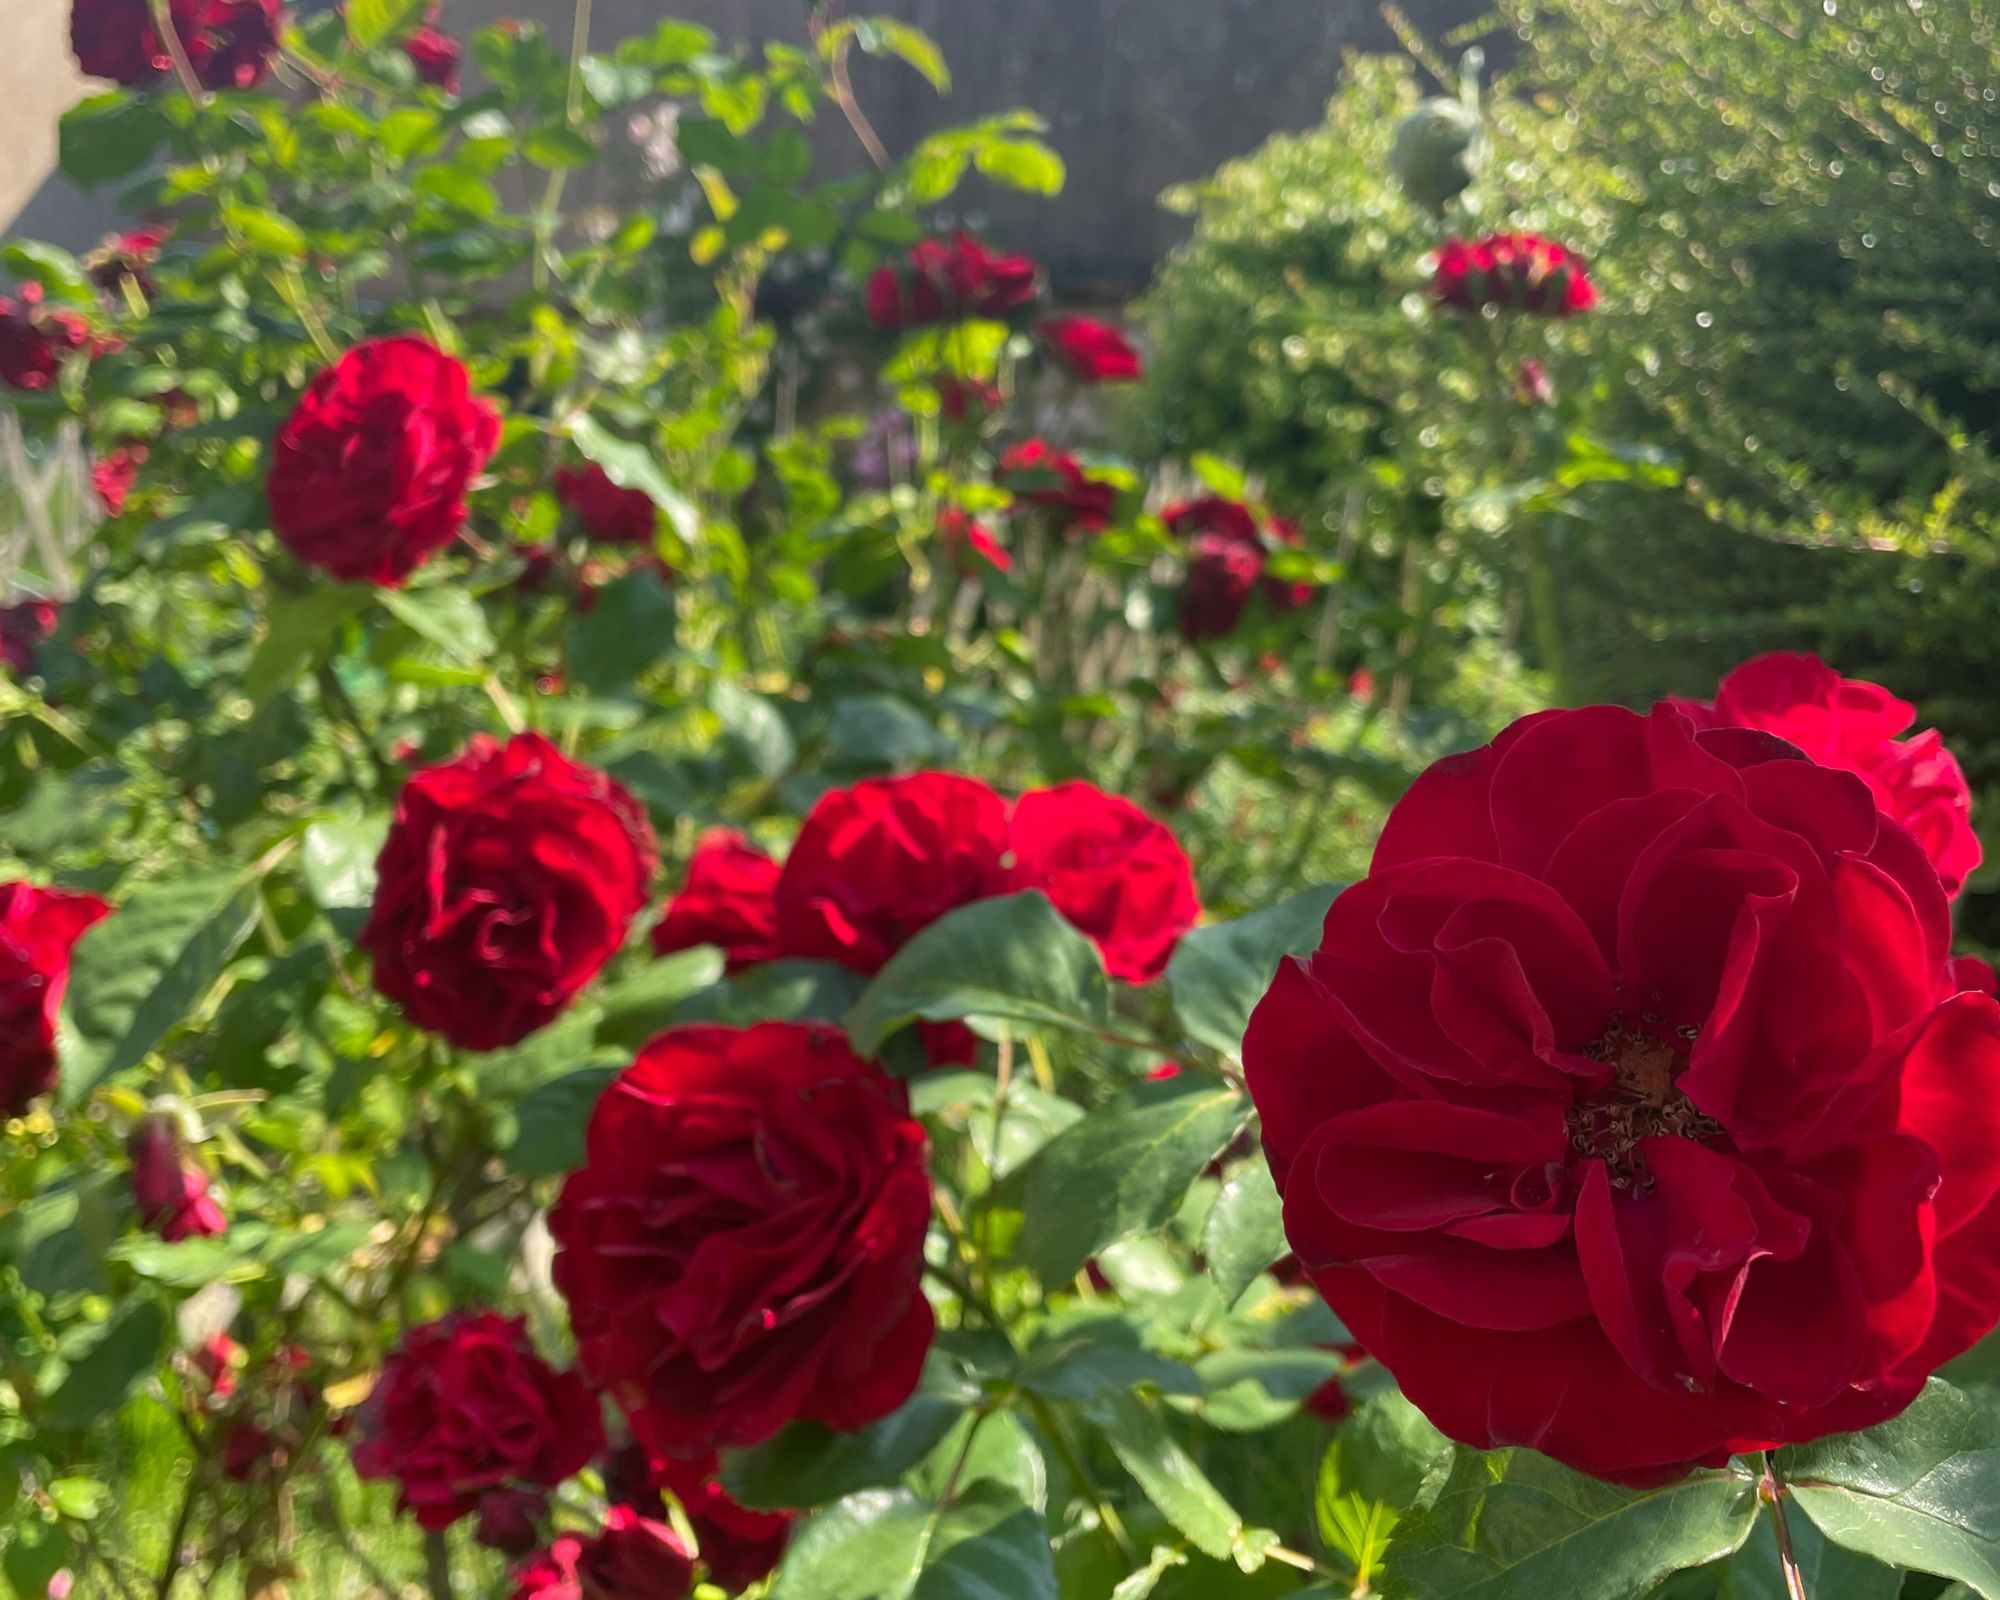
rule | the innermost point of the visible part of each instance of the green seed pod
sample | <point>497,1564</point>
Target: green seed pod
<point>1439,150</point>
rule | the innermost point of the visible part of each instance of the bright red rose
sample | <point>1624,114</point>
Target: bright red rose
<point>229,43</point>
<point>25,627</point>
<point>971,543</point>
<point>36,339</point>
<point>882,861</point>
<point>435,54</point>
<point>738,1546</point>
<point>1512,272</point>
<point>1095,352</point>
<point>466,1408</point>
<point>609,514</point>
<point>1112,871</point>
<point>368,477</point>
<point>728,901</point>
<point>510,876</point>
<point>1037,474</point>
<point>1850,723</point>
<point>1624,1110</point>
<point>216,1361</point>
<point>744,1241</point>
<point>945,280</point>
<point>38,928</point>
<point>113,474</point>
<point>170,1190</point>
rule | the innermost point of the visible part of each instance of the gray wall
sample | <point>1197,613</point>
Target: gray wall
<point>1140,94</point>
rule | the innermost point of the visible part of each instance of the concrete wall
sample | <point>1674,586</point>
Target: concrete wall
<point>1140,94</point>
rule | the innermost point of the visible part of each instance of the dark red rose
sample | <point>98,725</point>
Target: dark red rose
<point>510,876</point>
<point>738,1546</point>
<point>36,339</point>
<point>1112,871</point>
<point>1512,272</point>
<point>608,513</point>
<point>248,1450</point>
<point>232,41</point>
<point>368,477</point>
<point>744,1241</point>
<point>635,1558</point>
<point>1037,474</point>
<point>883,860</point>
<point>25,627</point>
<point>968,399</point>
<point>728,901</point>
<point>1095,352</point>
<point>435,54</point>
<point>170,1190</point>
<point>128,255</point>
<point>971,543</point>
<point>945,280</point>
<point>229,43</point>
<point>1856,725</point>
<point>113,474</point>
<point>1227,553</point>
<point>510,1520</point>
<point>1626,1109</point>
<point>466,1407</point>
<point>38,928</point>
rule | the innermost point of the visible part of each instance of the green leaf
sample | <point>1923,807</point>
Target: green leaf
<point>1220,972</point>
<point>337,858</point>
<point>298,631</point>
<point>371,22</point>
<point>988,1546</point>
<point>550,1122</point>
<point>1013,959</point>
<point>545,1055</point>
<point>1138,1436</point>
<point>781,991</point>
<point>448,616</point>
<point>630,626</point>
<point>1245,1230</point>
<point>631,466</point>
<point>1021,164</point>
<point>1922,1491</point>
<point>886,1544</point>
<point>809,1464</point>
<point>1074,1358</point>
<point>642,1004</point>
<point>756,727</point>
<point>99,1379</point>
<point>187,1265</point>
<point>1514,1525</point>
<point>110,136</point>
<point>144,969</point>
<point>1122,1170</point>
<point>883,733</point>
<point>1830,1573</point>
<point>264,228</point>
<point>884,36</point>
<point>307,1255</point>
<point>558,146</point>
<point>79,1499</point>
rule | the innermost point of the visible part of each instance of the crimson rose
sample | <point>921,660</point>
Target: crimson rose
<point>465,1409</point>
<point>1037,474</point>
<point>38,927</point>
<point>368,477</point>
<point>1512,272</point>
<point>970,542</point>
<point>229,43</point>
<point>609,514</point>
<point>36,339</point>
<point>1848,722</point>
<point>743,1243</point>
<point>1093,351</point>
<point>1227,552</point>
<point>634,1558</point>
<point>170,1190</point>
<point>738,1546</point>
<point>1626,1109</point>
<point>435,54</point>
<point>944,280</point>
<point>728,901</point>
<point>510,876</point>
<point>1112,871</point>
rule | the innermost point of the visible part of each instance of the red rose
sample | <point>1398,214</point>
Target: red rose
<point>1112,871</point>
<point>217,1361</point>
<point>1625,1109</point>
<point>248,1450</point>
<point>1850,723</point>
<point>552,1575</point>
<point>171,1191</point>
<point>113,474</point>
<point>435,54</point>
<point>727,902</point>
<point>128,255</point>
<point>738,1546</point>
<point>509,1520</point>
<point>1095,352</point>
<point>968,399</point>
<point>743,1243</point>
<point>38,928</point>
<point>1037,474</point>
<point>229,43</point>
<point>970,542</point>
<point>232,41</point>
<point>368,477</point>
<point>466,1408</point>
<point>608,513</point>
<point>883,860</point>
<point>36,339</point>
<point>510,876</point>
<point>945,280</point>
<point>25,627</point>
<point>1227,552</point>
<point>1512,272</point>
<point>634,1558</point>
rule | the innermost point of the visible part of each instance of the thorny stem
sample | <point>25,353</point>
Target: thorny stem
<point>1772,1492</point>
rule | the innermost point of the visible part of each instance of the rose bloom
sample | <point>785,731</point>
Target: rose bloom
<point>435,54</point>
<point>609,514</point>
<point>1227,552</point>
<point>229,43</point>
<point>465,1409</point>
<point>1095,352</point>
<point>968,399</point>
<point>25,627</point>
<point>217,1360</point>
<point>877,863</point>
<point>945,280</point>
<point>744,1242</point>
<point>1627,1110</point>
<point>36,339</point>
<point>128,255</point>
<point>368,477</point>
<point>728,901</point>
<point>510,1520</point>
<point>511,874</point>
<point>170,1191</point>
<point>38,929</point>
<point>1037,474</point>
<point>1846,722</point>
<point>113,474</point>
<point>738,1546</point>
<point>1113,872</point>
<point>1512,272</point>
<point>634,1558</point>
<point>970,542</point>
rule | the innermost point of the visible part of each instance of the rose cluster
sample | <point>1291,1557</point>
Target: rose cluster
<point>1228,550</point>
<point>1512,272</point>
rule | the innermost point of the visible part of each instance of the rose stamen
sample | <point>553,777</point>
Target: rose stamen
<point>1642,1101</point>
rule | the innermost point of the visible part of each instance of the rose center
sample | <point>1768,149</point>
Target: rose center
<point>1642,1101</point>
